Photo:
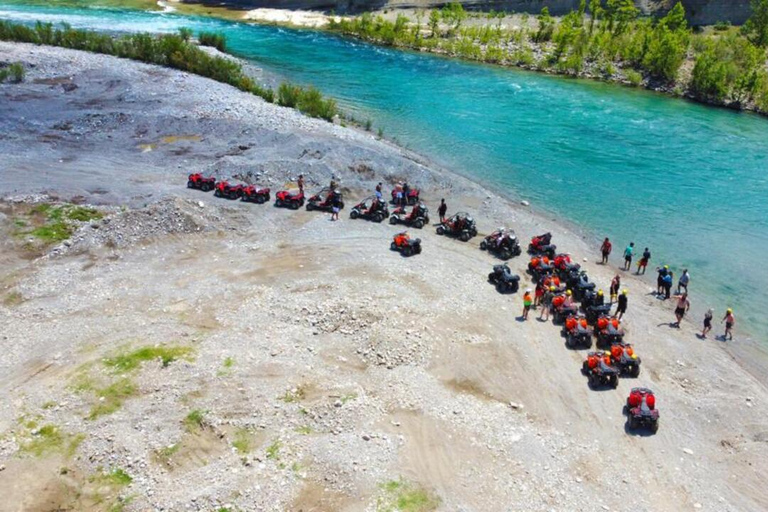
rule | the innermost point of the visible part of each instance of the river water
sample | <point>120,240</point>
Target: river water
<point>688,181</point>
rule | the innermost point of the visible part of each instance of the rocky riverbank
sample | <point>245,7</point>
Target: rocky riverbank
<point>181,352</point>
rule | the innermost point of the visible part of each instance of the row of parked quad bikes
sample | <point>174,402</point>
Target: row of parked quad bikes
<point>576,305</point>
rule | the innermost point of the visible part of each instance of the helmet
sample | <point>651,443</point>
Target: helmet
<point>599,292</point>
<point>552,288</point>
<point>527,290</point>
<point>729,311</point>
<point>624,291</point>
<point>666,267</point>
<point>568,293</point>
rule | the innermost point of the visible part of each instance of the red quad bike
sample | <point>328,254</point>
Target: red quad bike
<point>564,265</point>
<point>418,218</point>
<point>540,268</point>
<point>542,244</point>
<point>624,358</point>
<point>600,371</point>
<point>608,331</point>
<point>323,201</point>
<point>224,189</point>
<point>289,199</point>
<point>405,244</point>
<point>577,332</point>
<point>461,226</point>
<point>411,198</point>
<point>252,194</point>
<point>641,410</point>
<point>370,209</point>
<point>503,242</point>
<point>200,182</point>
<point>560,311</point>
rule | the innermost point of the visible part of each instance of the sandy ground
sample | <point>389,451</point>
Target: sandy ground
<point>330,373</point>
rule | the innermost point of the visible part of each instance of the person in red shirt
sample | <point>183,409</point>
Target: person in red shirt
<point>605,249</point>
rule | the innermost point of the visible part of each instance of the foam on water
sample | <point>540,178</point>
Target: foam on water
<point>688,181</point>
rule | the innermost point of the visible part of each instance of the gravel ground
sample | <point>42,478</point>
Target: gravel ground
<point>324,371</point>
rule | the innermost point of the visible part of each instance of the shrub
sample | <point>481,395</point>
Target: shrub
<point>288,95</point>
<point>217,41</point>
<point>633,77</point>
<point>312,103</point>
<point>13,73</point>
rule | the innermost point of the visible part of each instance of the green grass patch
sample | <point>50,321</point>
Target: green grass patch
<point>304,430</point>
<point>57,231</point>
<point>294,395</point>
<point>83,214</point>
<point>130,361</point>
<point>195,420</point>
<point>49,404</point>
<point>13,299</point>
<point>349,396</point>
<point>401,496</point>
<point>229,362</point>
<point>273,450</point>
<point>51,439</point>
<point>168,451</point>
<point>119,477</point>
<point>112,397</point>
<point>243,441</point>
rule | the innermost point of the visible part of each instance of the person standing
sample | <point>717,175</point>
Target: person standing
<point>683,305</point>
<point>683,281</point>
<point>527,303</point>
<point>335,205</point>
<point>546,303</point>
<point>300,183</point>
<point>628,252</point>
<point>378,194</point>
<point>615,285</point>
<point>622,307</point>
<point>668,279</point>
<point>707,322</point>
<point>643,263</point>
<point>662,271</point>
<point>441,210</point>
<point>538,294</point>
<point>730,321</point>
<point>605,250</point>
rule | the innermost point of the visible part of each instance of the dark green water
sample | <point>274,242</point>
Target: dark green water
<point>688,181</point>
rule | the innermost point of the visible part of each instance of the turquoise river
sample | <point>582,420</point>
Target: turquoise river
<point>688,181</point>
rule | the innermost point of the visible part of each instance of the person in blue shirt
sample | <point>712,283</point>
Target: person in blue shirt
<point>628,255</point>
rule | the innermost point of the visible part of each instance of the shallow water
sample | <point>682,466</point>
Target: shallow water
<point>688,181</point>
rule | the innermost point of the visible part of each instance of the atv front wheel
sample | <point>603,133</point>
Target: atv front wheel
<point>279,202</point>
<point>392,246</point>
<point>655,426</point>
<point>393,220</point>
<point>483,245</point>
<point>505,255</point>
<point>407,250</point>
<point>294,205</point>
<point>310,207</point>
<point>260,199</point>
<point>190,184</point>
<point>354,214</point>
<point>440,230</point>
<point>464,236</point>
<point>418,224</point>
<point>614,381</point>
<point>378,217</point>
<point>635,371</point>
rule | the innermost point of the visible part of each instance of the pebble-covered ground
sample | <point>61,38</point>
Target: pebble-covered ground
<point>183,352</point>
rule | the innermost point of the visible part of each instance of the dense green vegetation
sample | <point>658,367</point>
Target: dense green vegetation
<point>602,39</point>
<point>13,73</point>
<point>171,50</point>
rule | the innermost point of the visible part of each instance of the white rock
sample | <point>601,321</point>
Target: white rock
<point>525,203</point>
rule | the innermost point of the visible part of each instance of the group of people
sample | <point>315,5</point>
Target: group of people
<point>334,191</point>
<point>664,283</point>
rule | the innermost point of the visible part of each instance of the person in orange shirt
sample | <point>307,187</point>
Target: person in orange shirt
<point>527,303</point>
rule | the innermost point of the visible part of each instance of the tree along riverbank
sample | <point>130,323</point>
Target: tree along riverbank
<point>720,65</point>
